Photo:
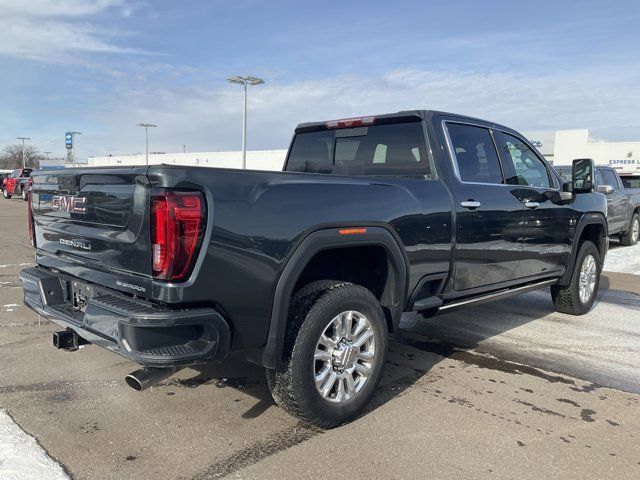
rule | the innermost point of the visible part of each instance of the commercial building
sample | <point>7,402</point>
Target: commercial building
<point>256,159</point>
<point>560,147</point>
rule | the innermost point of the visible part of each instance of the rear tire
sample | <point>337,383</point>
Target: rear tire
<point>6,194</point>
<point>335,348</point>
<point>577,298</point>
<point>24,194</point>
<point>631,236</point>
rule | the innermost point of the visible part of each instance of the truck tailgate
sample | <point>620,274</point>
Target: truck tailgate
<point>93,224</point>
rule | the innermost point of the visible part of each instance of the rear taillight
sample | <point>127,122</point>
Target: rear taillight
<point>177,226</point>
<point>30,214</point>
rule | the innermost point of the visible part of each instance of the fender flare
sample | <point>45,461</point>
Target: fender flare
<point>586,220</point>
<point>317,241</point>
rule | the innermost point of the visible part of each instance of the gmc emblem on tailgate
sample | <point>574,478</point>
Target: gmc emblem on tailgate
<point>68,203</point>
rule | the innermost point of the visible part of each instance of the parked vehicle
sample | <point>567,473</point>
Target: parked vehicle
<point>307,271</point>
<point>623,203</point>
<point>16,183</point>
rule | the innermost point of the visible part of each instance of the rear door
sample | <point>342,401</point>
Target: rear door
<point>548,222</point>
<point>489,216</point>
<point>93,223</point>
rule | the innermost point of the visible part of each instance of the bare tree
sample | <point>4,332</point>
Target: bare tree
<point>11,157</point>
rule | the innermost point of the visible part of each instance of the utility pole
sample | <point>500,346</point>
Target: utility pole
<point>244,81</point>
<point>24,162</point>
<point>146,135</point>
<point>70,140</point>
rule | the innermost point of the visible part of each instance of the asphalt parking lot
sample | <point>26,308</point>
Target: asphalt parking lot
<point>504,390</point>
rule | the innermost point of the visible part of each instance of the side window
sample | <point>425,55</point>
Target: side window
<point>610,179</point>
<point>599,179</point>
<point>475,154</point>
<point>15,174</point>
<point>522,166</point>
<point>311,152</point>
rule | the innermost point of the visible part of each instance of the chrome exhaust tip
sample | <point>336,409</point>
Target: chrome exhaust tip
<point>147,377</point>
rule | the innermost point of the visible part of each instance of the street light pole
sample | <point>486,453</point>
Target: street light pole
<point>24,162</point>
<point>245,81</point>
<point>47,154</point>
<point>146,136</point>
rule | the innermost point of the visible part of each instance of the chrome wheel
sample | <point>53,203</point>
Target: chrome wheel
<point>635,230</point>
<point>588,274</point>
<point>344,356</point>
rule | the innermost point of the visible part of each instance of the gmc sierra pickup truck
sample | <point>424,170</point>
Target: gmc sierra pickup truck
<point>623,203</point>
<point>307,271</point>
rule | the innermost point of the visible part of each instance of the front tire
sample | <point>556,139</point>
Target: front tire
<point>6,194</point>
<point>631,236</point>
<point>577,298</point>
<point>335,348</point>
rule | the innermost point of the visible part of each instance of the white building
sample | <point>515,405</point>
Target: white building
<point>256,159</point>
<point>562,146</point>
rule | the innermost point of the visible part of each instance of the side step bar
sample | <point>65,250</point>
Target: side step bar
<point>506,293</point>
<point>427,303</point>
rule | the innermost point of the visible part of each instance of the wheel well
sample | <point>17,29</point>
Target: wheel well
<point>368,266</point>
<point>595,233</point>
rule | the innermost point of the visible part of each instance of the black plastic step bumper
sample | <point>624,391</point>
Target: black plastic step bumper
<point>149,334</point>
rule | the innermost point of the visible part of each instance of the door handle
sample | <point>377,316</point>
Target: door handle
<point>530,204</point>
<point>471,204</point>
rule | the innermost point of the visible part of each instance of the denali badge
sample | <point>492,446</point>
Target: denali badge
<point>75,244</point>
<point>68,203</point>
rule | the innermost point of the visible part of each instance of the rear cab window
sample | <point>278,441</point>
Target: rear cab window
<point>631,181</point>
<point>396,149</point>
<point>475,154</point>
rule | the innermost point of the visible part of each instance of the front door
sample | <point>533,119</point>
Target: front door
<point>489,216</point>
<point>548,221</point>
<point>617,213</point>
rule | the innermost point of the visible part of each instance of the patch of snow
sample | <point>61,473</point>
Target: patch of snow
<point>623,259</point>
<point>21,457</point>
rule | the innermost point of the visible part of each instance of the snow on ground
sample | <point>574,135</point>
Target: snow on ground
<point>623,259</point>
<point>21,457</point>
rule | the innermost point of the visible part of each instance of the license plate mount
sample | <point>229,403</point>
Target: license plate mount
<point>80,295</point>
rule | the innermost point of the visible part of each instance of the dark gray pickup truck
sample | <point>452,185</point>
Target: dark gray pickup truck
<point>623,203</point>
<point>307,271</point>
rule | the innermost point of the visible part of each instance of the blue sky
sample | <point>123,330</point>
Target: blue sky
<point>102,66</point>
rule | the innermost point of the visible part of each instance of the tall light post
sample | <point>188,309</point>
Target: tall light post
<point>24,162</point>
<point>47,154</point>
<point>146,136</point>
<point>244,81</point>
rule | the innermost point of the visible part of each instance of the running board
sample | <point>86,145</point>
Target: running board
<point>506,293</point>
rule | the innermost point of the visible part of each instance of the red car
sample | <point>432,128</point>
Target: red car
<point>16,183</point>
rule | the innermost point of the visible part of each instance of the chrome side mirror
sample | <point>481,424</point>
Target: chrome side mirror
<point>606,189</point>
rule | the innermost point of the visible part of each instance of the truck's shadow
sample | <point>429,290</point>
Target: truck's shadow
<point>414,351</point>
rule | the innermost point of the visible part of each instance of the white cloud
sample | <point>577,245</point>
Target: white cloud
<point>56,31</point>
<point>208,117</point>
